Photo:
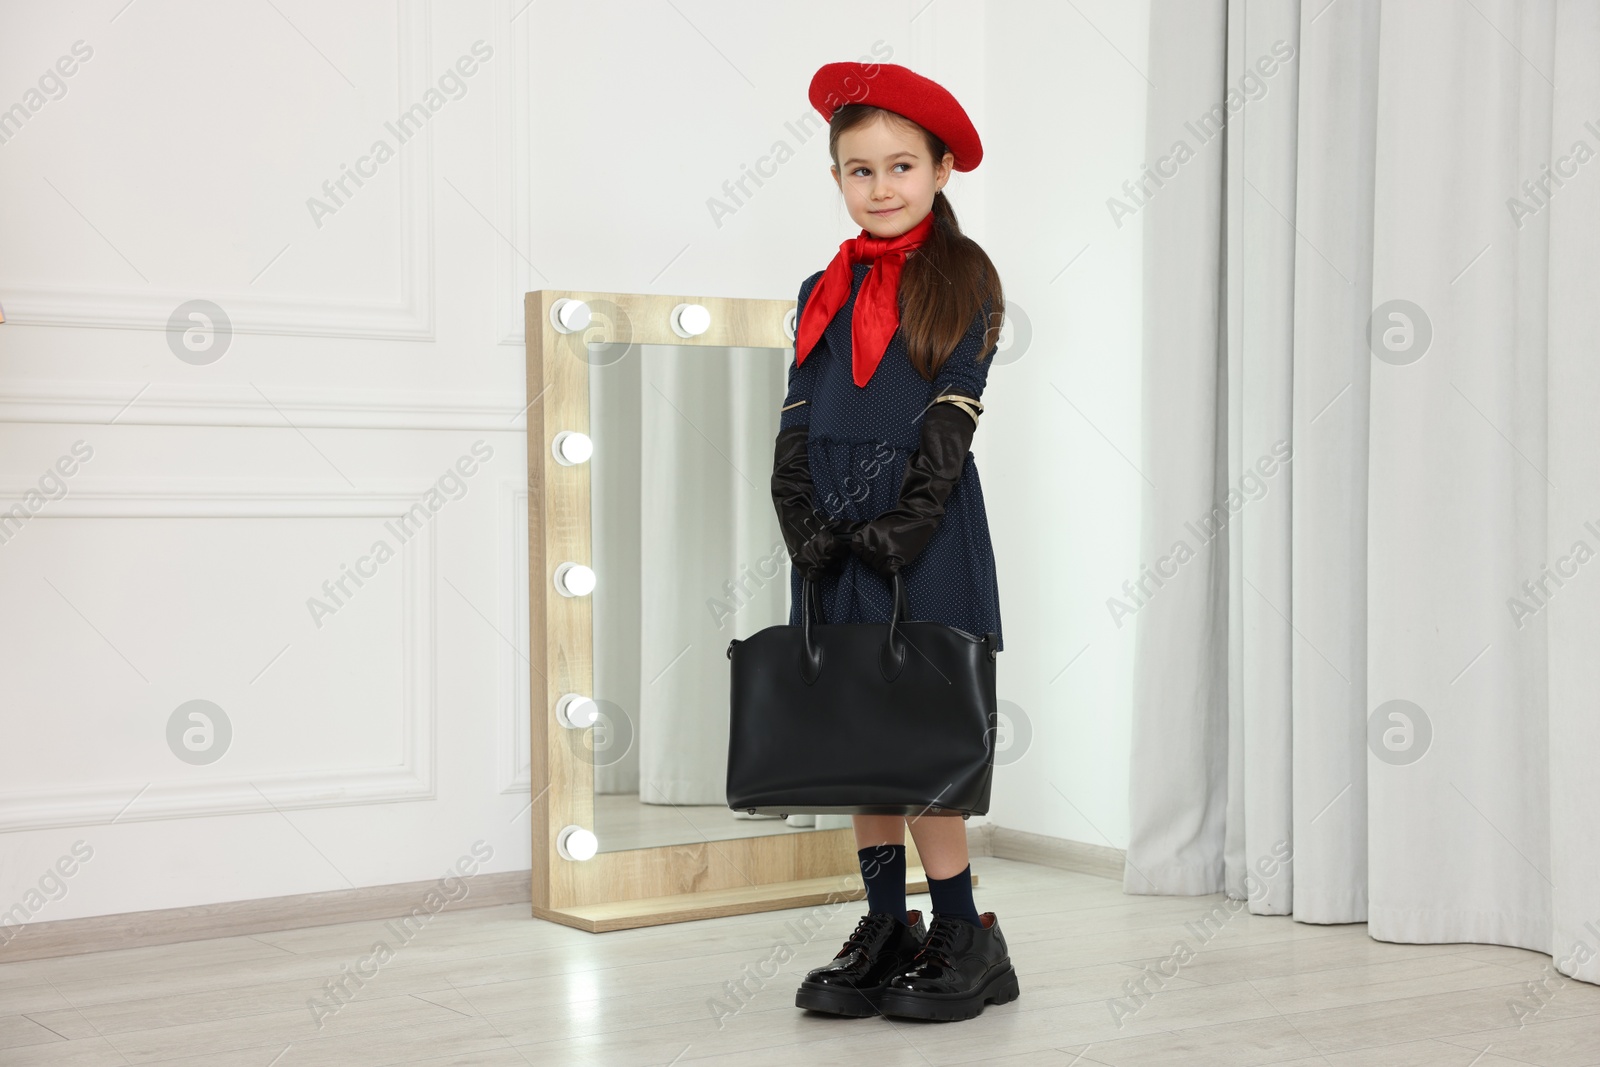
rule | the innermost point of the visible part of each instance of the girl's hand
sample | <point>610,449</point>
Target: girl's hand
<point>877,544</point>
<point>826,548</point>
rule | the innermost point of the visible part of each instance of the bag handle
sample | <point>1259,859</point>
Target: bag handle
<point>810,597</point>
<point>892,658</point>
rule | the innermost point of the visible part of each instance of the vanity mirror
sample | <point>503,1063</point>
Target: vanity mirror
<point>652,542</point>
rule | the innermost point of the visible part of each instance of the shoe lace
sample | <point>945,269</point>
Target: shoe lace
<point>866,930</point>
<point>940,942</point>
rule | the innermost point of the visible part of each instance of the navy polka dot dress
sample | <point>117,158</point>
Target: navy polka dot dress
<point>860,439</point>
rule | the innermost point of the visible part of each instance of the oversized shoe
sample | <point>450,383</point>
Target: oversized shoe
<point>880,947</point>
<point>960,969</point>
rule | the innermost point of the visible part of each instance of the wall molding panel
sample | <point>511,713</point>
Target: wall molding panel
<point>409,317</point>
<point>132,801</point>
<point>275,406</point>
<point>513,735</point>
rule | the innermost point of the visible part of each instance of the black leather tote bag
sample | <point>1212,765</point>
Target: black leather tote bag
<point>861,718</point>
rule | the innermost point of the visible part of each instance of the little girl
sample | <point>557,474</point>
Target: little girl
<point>872,477</point>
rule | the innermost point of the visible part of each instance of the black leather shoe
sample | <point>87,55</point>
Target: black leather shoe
<point>880,947</point>
<point>960,969</point>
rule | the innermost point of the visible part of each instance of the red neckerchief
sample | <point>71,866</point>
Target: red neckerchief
<point>877,311</point>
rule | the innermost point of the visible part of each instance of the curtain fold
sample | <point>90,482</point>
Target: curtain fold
<point>1337,102</point>
<point>1178,778</point>
<point>1574,445</point>
<point>1366,688</point>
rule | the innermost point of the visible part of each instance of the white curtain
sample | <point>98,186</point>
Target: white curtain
<point>1367,682</point>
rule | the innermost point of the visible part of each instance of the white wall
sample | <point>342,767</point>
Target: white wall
<point>372,352</point>
<point>1064,126</point>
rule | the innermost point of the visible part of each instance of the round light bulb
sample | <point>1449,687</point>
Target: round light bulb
<point>576,843</point>
<point>576,711</point>
<point>574,579</point>
<point>569,316</point>
<point>571,447</point>
<point>690,320</point>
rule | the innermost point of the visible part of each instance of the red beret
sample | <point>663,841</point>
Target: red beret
<point>903,91</point>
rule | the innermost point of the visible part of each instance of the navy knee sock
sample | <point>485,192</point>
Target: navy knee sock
<point>953,897</point>
<point>883,871</point>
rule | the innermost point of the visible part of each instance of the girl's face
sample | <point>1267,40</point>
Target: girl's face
<point>887,177</point>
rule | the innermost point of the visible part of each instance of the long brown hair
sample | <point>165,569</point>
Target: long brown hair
<point>945,281</point>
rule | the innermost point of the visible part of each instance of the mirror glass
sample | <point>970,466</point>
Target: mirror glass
<point>687,554</point>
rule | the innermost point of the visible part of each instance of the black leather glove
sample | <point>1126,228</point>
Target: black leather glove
<point>815,542</point>
<point>895,538</point>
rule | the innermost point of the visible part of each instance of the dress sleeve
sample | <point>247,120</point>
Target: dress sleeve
<point>964,373</point>
<point>802,377</point>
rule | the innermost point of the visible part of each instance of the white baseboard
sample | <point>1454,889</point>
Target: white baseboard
<point>1025,847</point>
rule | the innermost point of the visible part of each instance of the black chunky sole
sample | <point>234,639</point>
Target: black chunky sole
<point>857,1003</point>
<point>1000,988</point>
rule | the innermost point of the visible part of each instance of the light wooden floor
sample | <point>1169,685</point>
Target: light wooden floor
<point>495,988</point>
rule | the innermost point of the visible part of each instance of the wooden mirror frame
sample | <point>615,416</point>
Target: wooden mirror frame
<point>667,883</point>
